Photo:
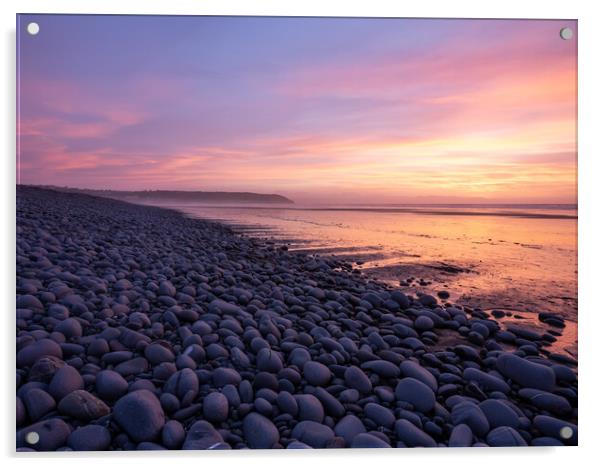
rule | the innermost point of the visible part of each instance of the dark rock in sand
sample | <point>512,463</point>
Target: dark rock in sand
<point>269,361</point>
<point>132,367</point>
<point>380,415</point>
<point>287,403</point>
<point>38,403</point>
<point>417,393</point>
<point>310,408</point>
<point>140,415</point>
<point>183,383</point>
<point>498,414</point>
<point>173,435</point>
<point>416,371</point>
<point>223,376</point>
<point>555,404</point>
<point>70,327</point>
<point>44,369</point>
<point>383,368</point>
<point>31,353</point>
<point>202,436</point>
<point>52,433</point>
<point>412,436</point>
<point>557,428</point>
<point>348,427</point>
<point>90,438</point>
<point>423,323</point>
<point>357,379</point>
<point>428,300</point>
<point>316,373</point>
<point>461,436</point>
<point>470,414</point>
<point>259,431</point>
<point>66,380</point>
<point>110,385</point>
<point>486,381</point>
<point>157,353</point>
<point>82,405</point>
<point>312,433</point>
<point>526,373</point>
<point>215,407</point>
<point>505,437</point>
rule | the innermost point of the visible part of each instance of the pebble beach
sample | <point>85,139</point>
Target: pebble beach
<point>138,328</point>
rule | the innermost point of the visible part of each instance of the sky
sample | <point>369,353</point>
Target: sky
<point>316,109</point>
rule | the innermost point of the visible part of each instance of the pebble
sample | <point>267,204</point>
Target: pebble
<point>110,385</point>
<point>498,414</point>
<point>202,436</point>
<point>156,353</point>
<point>316,373</point>
<point>173,435</point>
<point>555,404</point>
<point>140,415</point>
<point>31,353</point>
<point>259,431</point>
<point>381,416</point>
<point>310,408</point>
<point>526,373</point>
<point>470,414</point>
<point>505,436</point>
<point>486,381</point>
<point>416,371</point>
<point>65,380</point>
<point>411,435</point>
<point>90,438</point>
<point>287,403</point>
<point>269,361</point>
<point>357,379</point>
<point>348,427</point>
<point>52,433</point>
<point>215,407</point>
<point>417,393</point>
<point>423,323</point>
<point>313,433</point>
<point>461,436</point>
<point>82,405</point>
<point>38,403</point>
<point>553,427</point>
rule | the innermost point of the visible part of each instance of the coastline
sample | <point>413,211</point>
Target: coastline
<point>226,341</point>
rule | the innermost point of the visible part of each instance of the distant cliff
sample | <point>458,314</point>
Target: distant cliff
<point>182,196</point>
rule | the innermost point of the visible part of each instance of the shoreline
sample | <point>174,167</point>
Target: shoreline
<point>165,331</point>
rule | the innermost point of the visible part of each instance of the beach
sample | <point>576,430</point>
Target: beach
<point>139,327</point>
<point>513,257</point>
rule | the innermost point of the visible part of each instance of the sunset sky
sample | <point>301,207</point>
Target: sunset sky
<point>320,110</point>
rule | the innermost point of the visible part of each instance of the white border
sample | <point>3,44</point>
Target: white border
<point>590,234</point>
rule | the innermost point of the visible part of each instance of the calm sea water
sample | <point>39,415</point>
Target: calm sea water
<point>515,257</point>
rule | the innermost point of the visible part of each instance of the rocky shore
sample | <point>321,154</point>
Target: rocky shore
<point>139,328</point>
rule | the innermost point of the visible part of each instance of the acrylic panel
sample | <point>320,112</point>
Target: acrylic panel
<point>295,232</point>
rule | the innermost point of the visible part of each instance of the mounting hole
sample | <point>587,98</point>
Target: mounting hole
<point>32,437</point>
<point>566,33</point>
<point>33,28</point>
<point>566,432</point>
